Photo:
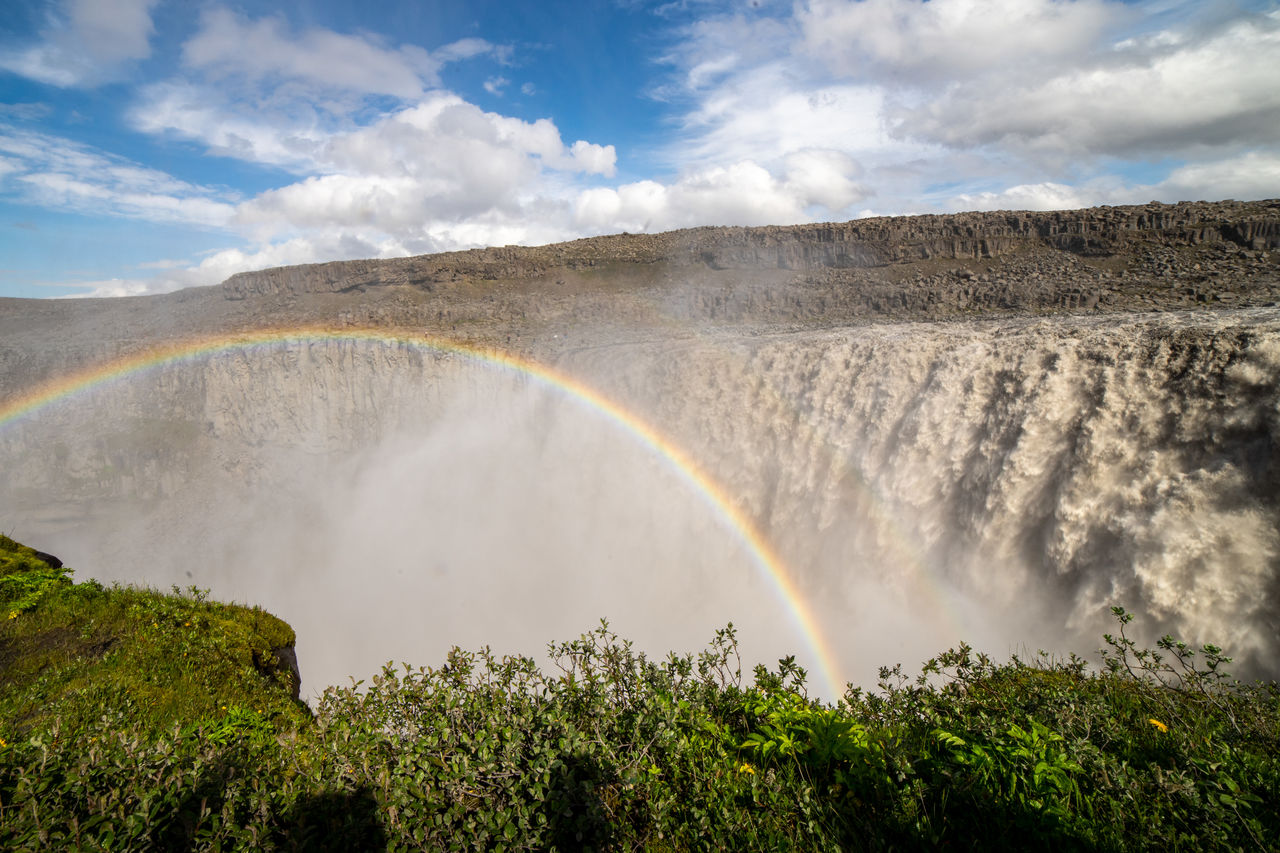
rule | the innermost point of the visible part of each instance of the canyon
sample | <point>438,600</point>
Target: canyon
<point>983,427</point>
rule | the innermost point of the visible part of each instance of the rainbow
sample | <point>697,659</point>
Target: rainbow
<point>766,559</point>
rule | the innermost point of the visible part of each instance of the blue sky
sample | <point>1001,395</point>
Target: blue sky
<point>148,145</point>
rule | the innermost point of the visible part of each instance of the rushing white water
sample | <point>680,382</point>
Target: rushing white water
<point>1002,482</point>
<point>1046,469</point>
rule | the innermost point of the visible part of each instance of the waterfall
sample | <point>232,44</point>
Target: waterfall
<point>998,481</point>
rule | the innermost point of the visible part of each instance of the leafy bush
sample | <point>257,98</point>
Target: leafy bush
<point>25,578</point>
<point>610,749</point>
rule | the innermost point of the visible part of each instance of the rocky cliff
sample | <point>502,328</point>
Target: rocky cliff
<point>1102,255</point>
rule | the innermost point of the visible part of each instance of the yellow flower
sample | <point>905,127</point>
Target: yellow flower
<point>3,743</point>
<point>746,768</point>
<point>13,614</point>
<point>1159,725</point>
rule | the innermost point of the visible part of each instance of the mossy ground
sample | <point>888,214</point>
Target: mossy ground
<point>76,652</point>
<point>132,719</point>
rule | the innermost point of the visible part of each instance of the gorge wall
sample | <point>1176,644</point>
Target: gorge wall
<point>1037,469</point>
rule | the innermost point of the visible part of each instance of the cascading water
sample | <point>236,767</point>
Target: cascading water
<point>998,481</point>
<point>1043,468</point>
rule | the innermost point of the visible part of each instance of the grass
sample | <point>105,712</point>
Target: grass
<point>74,652</point>
<point>131,719</point>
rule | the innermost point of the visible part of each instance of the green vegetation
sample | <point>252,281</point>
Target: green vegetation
<point>72,653</point>
<point>135,720</point>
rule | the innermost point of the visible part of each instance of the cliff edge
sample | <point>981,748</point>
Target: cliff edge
<point>1209,244</point>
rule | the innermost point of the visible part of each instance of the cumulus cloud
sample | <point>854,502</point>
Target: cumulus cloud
<point>441,162</point>
<point>1042,196</point>
<point>257,91</point>
<point>764,114</point>
<point>86,42</point>
<point>1255,174</point>
<point>742,193</point>
<point>930,43</point>
<point>387,163</point>
<point>824,177</point>
<point>1050,101</point>
<point>438,175</point>
<point>217,266</point>
<point>443,134</point>
<point>1147,98</point>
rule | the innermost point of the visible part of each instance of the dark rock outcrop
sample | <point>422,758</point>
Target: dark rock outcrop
<point>49,560</point>
<point>1098,233</point>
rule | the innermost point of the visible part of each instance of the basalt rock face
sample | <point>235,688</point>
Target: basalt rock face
<point>1226,228</point>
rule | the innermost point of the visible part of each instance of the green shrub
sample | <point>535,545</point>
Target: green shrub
<point>136,720</point>
<point>25,579</point>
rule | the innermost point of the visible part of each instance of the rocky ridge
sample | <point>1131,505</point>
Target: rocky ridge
<point>1153,255</point>
<point>541,300</point>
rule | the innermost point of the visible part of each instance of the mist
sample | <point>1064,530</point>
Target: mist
<point>1001,483</point>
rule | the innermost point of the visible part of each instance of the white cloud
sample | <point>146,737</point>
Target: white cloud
<point>292,139</point>
<point>440,174</point>
<point>1042,196</point>
<point>112,30</point>
<point>442,161</point>
<point>61,174</point>
<point>717,46</point>
<point>1050,99</point>
<point>892,41</point>
<point>218,266</point>
<point>1255,174</point>
<point>1179,96</point>
<point>1248,176</point>
<point>257,91</point>
<point>232,46</point>
<point>470,48</point>
<point>744,193</point>
<point>86,43</point>
<point>113,287</point>
<point>824,177</point>
<point>765,113</point>
<point>431,173</point>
